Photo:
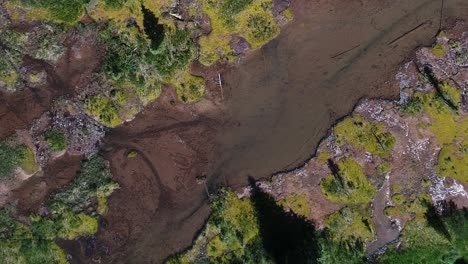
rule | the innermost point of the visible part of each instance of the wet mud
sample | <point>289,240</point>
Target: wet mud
<point>284,98</point>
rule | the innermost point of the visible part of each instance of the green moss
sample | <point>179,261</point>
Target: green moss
<point>132,154</point>
<point>439,50</point>
<point>298,203</point>
<point>56,140</point>
<point>453,162</point>
<point>361,133</point>
<point>350,186</point>
<point>103,110</point>
<point>351,224</point>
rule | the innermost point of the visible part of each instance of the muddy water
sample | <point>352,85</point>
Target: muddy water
<point>284,98</point>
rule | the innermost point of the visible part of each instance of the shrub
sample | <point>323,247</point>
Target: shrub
<point>351,223</point>
<point>94,177</point>
<point>103,110</point>
<point>13,156</point>
<point>351,186</point>
<point>56,140</point>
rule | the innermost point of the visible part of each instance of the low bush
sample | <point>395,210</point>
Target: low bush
<point>362,133</point>
<point>56,140</point>
<point>349,186</point>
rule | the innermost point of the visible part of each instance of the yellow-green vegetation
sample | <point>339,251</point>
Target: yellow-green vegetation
<point>439,50</point>
<point>232,234</point>
<point>33,241</point>
<point>94,178</point>
<point>351,223</point>
<point>68,11</point>
<point>432,240</point>
<point>74,225</point>
<point>28,161</point>
<point>447,125</point>
<point>349,185</point>
<point>189,88</point>
<point>56,140</point>
<point>362,133</point>
<point>450,92</point>
<point>413,207</point>
<point>453,162</point>
<point>323,156</point>
<point>13,156</point>
<point>298,203</point>
<point>251,19</point>
<point>132,154</point>
<point>103,109</point>
<point>396,188</point>
<point>24,244</point>
<point>398,199</point>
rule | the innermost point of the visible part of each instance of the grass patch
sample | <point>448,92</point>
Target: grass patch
<point>453,162</point>
<point>68,11</point>
<point>298,203</point>
<point>361,133</point>
<point>349,185</point>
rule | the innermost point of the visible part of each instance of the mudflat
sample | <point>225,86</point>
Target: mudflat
<point>284,98</point>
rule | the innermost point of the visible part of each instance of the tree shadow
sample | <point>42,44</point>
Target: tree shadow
<point>287,237</point>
